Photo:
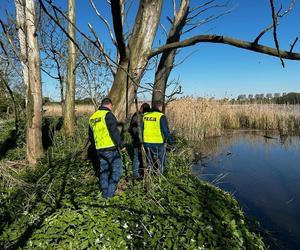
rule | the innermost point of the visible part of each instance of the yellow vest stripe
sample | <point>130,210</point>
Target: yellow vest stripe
<point>100,131</point>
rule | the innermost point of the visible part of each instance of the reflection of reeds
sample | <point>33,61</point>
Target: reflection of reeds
<point>198,118</point>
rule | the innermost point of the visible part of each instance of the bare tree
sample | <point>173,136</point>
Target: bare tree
<point>133,57</point>
<point>69,115</point>
<point>166,62</point>
<point>27,22</point>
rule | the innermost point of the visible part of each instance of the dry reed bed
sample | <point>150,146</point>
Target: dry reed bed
<point>55,110</point>
<point>195,119</point>
<point>198,118</point>
<point>80,109</point>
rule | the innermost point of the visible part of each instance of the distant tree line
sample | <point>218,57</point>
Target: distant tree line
<point>290,98</point>
<point>86,100</point>
<point>276,98</point>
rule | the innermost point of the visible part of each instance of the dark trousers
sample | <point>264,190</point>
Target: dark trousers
<point>110,171</point>
<point>156,157</point>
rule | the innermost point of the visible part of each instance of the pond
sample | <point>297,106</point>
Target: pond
<point>263,174</point>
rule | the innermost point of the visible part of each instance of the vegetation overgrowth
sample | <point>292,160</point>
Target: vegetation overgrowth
<point>197,118</point>
<point>58,204</point>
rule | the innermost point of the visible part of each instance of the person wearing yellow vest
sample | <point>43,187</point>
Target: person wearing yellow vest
<point>155,134</point>
<point>103,132</point>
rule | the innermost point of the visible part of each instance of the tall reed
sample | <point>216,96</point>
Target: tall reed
<point>197,118</point>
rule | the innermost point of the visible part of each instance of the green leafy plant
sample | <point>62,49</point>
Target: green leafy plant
<point>61,207</point>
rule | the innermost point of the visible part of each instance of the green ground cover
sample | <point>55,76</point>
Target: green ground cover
<point>58,205</point>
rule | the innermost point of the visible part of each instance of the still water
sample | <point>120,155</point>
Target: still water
<point>263,174</point>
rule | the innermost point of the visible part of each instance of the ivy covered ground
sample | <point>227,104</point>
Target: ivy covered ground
<point>58,205</point>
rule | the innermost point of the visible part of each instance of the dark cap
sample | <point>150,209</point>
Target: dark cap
<point>106,101</point>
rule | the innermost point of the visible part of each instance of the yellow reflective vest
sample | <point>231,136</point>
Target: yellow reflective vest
<point>152,131</point>
<point>100,131</point>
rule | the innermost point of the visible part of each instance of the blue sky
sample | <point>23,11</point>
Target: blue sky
<point>216,70</point>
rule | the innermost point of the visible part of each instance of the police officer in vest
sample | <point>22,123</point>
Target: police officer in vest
<point>137,163</point>
<point>107,139</point>
<point>155,133</point>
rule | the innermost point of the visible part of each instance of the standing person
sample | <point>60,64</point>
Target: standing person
<point>155,133</point>
<point>134,132</point>
<point>103,131</point>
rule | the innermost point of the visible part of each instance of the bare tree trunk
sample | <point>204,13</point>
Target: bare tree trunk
<point>34,92</point>
<point>134,58</point>
<point>166,62</point>
<point>20,23</point>
<point>69,115</point>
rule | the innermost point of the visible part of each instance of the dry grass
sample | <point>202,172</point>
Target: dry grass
<point>80,109</point>
<point>198,118</point>
<point>55,110</point>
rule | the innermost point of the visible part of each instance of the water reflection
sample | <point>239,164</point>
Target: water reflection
<point>263,173</point>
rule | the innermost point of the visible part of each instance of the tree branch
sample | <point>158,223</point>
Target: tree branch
<point>205,9</point>
<point>262,33</point>
<point>185,58</point>
<point>207,20</point>
<point>116,10</point>
<point>164,29</point>
<point>53,77</point>
<point>60,26</point>
<point>101,48</point>
<point>278,14</point>
<point>225,40</point>
<point>10,40</point>
<point>174,9</point>
<point>293,45</point>
<point>201,6</point>
<point>292,4</point>
<point>274,17</point>
<point>105,22</point>
<point>9,60</point>
<point>127,10</point>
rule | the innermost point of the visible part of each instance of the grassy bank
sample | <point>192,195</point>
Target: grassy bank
<point>198,118</point>
<point>58,205</point>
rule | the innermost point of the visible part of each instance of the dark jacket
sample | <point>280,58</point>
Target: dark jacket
<point>111,123</point>
<point>133,129</point>
<point>164,128</point>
